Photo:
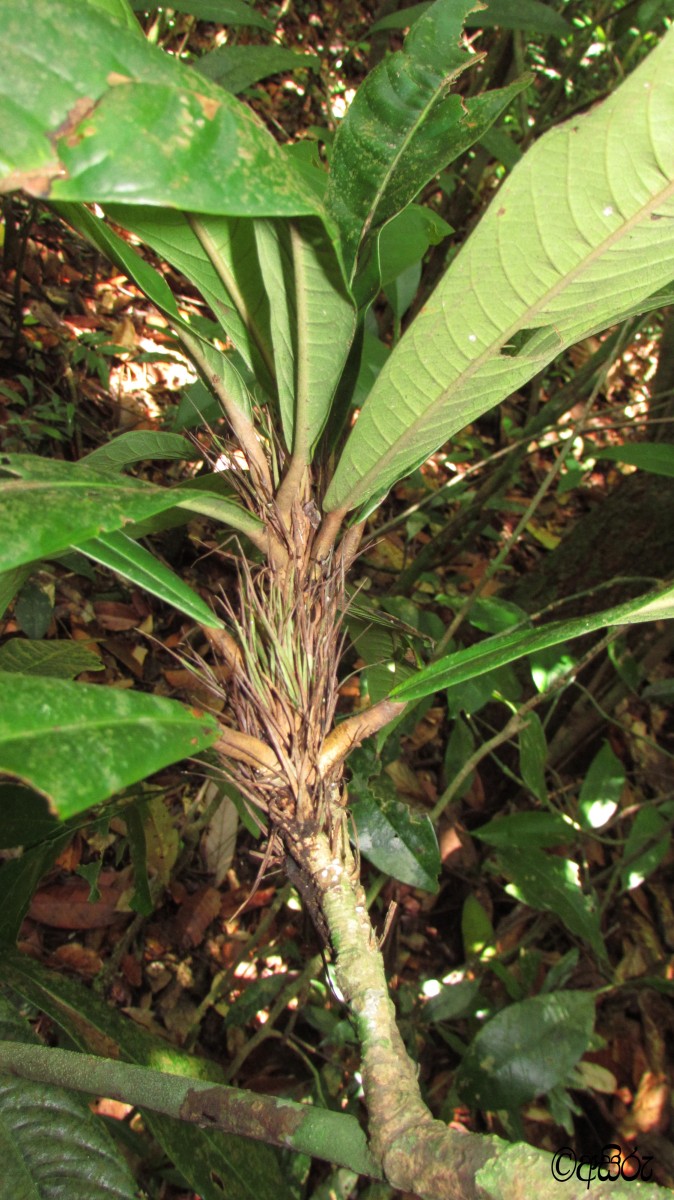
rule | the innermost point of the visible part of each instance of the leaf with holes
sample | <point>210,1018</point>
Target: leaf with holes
<point>394,837</point>
<point>91,112</point>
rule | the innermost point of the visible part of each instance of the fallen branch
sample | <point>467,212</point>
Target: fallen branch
<point>308,1129</point>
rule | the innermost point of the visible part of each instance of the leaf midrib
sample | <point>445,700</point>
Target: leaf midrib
<point>495,346</point>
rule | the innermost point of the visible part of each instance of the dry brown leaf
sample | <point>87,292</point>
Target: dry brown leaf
<point>196,914</point>
<point>219,839</point>
<point>72,956</point>
<point>651,1108</point>
<point>162,840</point>
<point>65,905</point>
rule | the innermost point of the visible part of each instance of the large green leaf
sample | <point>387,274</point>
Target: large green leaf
<point>218,1166</point>
<point>218,255</point>
<point>394,837</point>
<point>59,660</point>
<point>52,1144</point>
<point>648,456</point>
<point>91,112</point>
<point>224,12</point>
<point>138,445</point>
<point>403,128</point>
<point>526,1050</point>
<point>237,67</point>
<point>580,234</point>
<point>551,884</point>
<point>325,326</point>
<point>78,743</point>
<point>311,324</point>
<point>504,648</point>
<point>132,561</point>
<point>509,14</point>
<point>47,506</point>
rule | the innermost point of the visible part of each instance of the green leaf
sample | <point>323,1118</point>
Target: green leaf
<point>558,255</point>
<point>373,356</point>
<point>526,1050</point>
<point>139,446</point>
<point>602,788</point>
<point>52,1144</point>
<point>649,826</point>
<point>238,67</point>
<point>508,647</point>
<point>477,931</point>
<point>210,504</point>
<point>80,99</point>
<point>33,609</point>
<point>460,746</point>
<point>47,505</point>
<point>135,817</point>
<point>24,820</point>
<point>402,127</point>
<point>525,829</point>
<point>395,838</point>
<point>454,1000</point>
<point>491,614</point>
<point>658,458</point>
<point>400,244</point>
<point>279,332</point>
<point>502,147</point>
<point>60,660</point>
<point>533,755</point>
<point>509,14</point>
<point>326,322</point>
<point>553,885</point>
<point>222,12</point>
<point>197,406</point>
<point>119,10</point>
<point>531,15</point>
<point>218,255</point>
<point>78,744</point>
<point>217,1166</point>
<point>132,561</point>
<point>11,582</point>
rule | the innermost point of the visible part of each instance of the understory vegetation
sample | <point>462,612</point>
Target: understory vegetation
<point>337,503</point>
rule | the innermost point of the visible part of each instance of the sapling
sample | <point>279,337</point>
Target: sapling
<point>288,258</point>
